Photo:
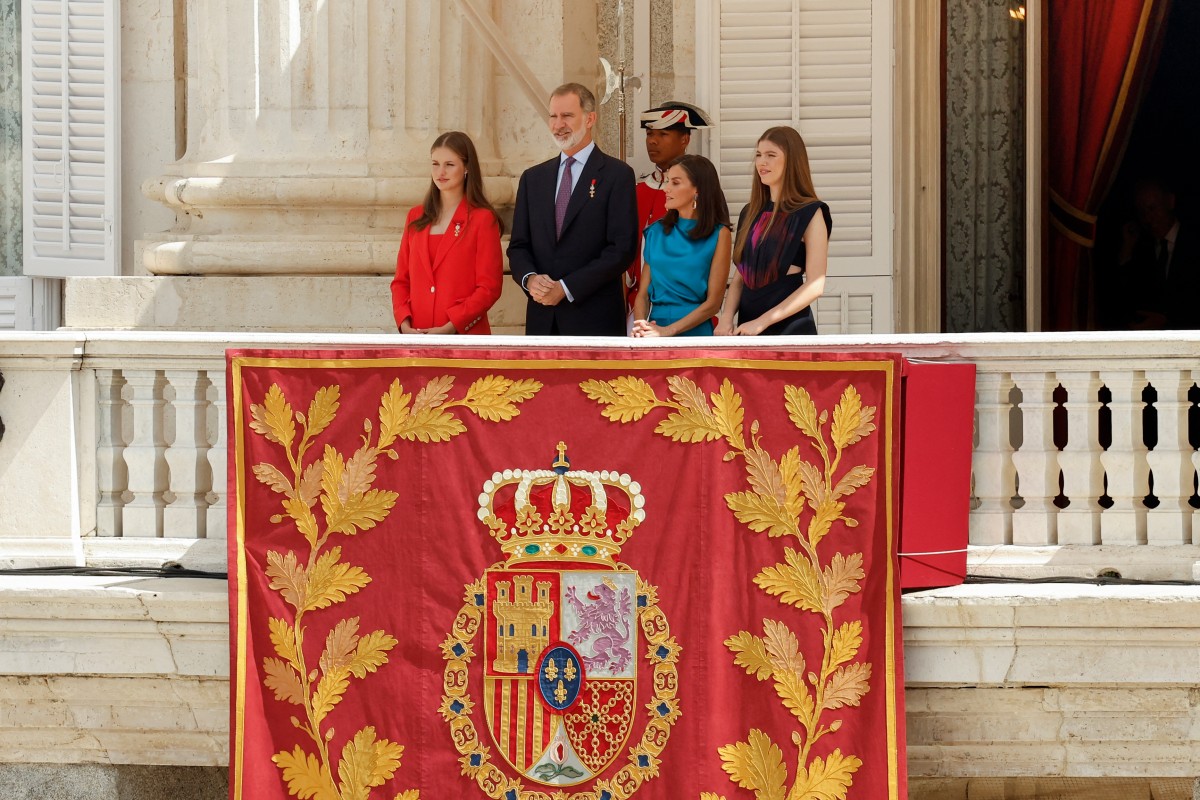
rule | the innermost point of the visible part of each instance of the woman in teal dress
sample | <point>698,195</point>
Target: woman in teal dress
<point>685,256</point>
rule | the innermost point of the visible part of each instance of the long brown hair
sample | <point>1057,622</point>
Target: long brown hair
<point>797,188</point>
<point>462,146</point>
<point>711,208</point>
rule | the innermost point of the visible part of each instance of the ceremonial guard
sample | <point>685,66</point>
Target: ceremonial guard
<point>668,132</point>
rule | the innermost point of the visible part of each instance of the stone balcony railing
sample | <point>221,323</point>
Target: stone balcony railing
<point>113,454</point>
<point>1085,455</point>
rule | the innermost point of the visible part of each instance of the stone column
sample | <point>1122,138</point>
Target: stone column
<point>310,121</point>
<point>308,126</point>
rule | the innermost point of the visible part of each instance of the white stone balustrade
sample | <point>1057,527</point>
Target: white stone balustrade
<point>155,403</point>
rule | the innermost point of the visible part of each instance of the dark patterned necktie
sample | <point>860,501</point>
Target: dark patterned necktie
<point>1163,259</point>
<point>564,196</point>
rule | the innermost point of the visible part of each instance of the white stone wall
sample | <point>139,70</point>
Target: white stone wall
<point>1066,681</point>
<point>114,671</point>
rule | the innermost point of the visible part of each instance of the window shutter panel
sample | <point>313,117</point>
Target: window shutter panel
<point>854,305</point>
<point>16,304</point>
<point>70,122</point>
<point>825,68</point>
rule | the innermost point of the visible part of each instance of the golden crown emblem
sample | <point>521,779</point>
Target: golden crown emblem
<point>560,513</point>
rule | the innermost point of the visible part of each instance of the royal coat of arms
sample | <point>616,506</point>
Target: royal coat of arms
<point>550,645</point>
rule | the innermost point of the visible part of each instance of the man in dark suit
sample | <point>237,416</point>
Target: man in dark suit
<point>574,228</point>
<point>1163,263</point>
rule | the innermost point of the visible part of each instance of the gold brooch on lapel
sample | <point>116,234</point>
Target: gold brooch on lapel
<point>592,188</point>
<point>457,229</point>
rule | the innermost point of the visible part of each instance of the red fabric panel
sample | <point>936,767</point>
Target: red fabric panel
<point>688,572</point>
<point>1098,54</point>
<point>935,473</point>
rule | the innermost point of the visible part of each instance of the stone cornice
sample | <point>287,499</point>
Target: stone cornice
<point>320,191</point>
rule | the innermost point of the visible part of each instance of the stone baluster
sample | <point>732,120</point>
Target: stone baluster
<point>144,456</point>
<point>185,516</point>
<point>217,457</point>
<point>1036,462</point>
<point>1083,474</point>
<point>111,474</point>
<point>991,463</point>
<point>1125,461</point>
<point>1170,522</point>
<point>1196,467</point>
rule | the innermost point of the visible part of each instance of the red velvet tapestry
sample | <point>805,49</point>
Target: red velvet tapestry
<point>567,575</point>
<point>1099,57</point>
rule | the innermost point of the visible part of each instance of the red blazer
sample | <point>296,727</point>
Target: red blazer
<point>462,280</point>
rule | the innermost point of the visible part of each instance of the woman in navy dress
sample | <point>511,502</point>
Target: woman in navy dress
<point>685,256</point>
<point>782,244</point>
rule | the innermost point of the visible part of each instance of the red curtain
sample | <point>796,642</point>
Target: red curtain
<point>1100,54</point>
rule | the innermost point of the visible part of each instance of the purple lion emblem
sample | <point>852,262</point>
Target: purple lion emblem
<point>601,618</point>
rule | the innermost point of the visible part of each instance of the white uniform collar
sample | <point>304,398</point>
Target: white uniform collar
<point>655,179</point>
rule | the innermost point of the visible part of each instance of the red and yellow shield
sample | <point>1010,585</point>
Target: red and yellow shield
<point>560,676</point>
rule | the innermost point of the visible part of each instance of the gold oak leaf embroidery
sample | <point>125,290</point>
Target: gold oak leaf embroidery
<point>334,493</point>
<point>305,775</point>
<point>827,779</point>
<point>757,764</point>
<point>625,399</point>
<point>750,653</point>
<point>366,762</point>
<point>802,500</point>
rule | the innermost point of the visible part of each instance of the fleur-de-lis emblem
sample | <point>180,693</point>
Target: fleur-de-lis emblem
<point>551,670</point>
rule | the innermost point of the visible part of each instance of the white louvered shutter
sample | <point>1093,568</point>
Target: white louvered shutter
<point>825,68</point>
<point>71,117</point>
<point>16,304</point>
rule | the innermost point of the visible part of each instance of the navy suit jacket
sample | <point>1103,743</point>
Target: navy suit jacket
<point>1139,287</point>
<point>1182,288</point>
<point>599,240</point>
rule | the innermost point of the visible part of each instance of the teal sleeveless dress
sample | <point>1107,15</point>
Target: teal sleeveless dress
<point>679,267</point>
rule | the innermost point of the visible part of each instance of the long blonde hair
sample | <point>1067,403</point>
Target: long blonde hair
<point>797,188</point>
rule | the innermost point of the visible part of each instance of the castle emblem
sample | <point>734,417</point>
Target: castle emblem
<point>544,653</point>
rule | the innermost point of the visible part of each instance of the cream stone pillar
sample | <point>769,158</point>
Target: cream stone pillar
<point>309,124</point>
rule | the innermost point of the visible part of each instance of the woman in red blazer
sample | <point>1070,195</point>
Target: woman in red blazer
<point>449,269</point>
